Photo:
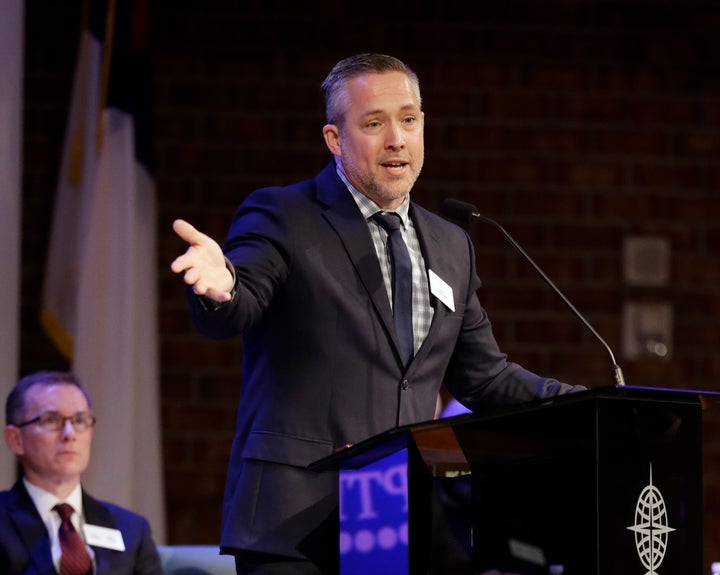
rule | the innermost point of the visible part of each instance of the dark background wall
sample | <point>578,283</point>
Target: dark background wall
<point>574,123</point>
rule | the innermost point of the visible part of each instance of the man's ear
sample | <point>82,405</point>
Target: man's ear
<point>332,138</point>
<point>13,439</point>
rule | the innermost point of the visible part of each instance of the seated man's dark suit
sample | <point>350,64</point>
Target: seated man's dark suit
<point>25,543</point>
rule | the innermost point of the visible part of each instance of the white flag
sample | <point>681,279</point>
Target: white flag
<point>100,302</point>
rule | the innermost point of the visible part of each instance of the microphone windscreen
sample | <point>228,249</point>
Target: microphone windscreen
<point>458,210</point>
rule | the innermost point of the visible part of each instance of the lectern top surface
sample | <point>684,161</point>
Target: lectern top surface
<point>557,412</point>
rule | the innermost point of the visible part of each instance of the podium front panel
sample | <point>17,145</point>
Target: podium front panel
<point>650,488</point>
<point>604,482</point>
<point>612,487</point>
<point>374,517</point>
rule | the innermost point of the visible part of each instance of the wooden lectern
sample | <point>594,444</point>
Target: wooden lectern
<point>601,482</point>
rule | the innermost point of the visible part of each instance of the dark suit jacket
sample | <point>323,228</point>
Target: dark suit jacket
<point>25,543</point>
<point>321,366</point>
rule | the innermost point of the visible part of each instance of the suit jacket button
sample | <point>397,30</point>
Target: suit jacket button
<point>405,384</point>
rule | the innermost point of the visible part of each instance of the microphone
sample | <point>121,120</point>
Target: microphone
<point>465,212</point>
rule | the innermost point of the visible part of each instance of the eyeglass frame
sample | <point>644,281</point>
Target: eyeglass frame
<point>87,421</point>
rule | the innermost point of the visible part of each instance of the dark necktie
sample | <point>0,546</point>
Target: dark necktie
<point>401,282</point>
<point>75,559</point>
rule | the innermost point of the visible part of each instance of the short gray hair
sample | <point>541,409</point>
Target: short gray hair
<point>349,68</point>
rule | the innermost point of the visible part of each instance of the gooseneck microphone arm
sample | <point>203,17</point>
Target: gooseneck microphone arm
<point>465,212</point>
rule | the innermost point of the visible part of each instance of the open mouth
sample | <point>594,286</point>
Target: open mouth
<point>394,165</point>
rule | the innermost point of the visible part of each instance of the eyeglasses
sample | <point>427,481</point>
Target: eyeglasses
<point>53,421</point>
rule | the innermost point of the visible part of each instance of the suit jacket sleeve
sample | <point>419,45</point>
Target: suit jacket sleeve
<point>479,374</point>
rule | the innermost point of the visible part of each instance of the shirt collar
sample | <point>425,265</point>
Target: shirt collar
<point>44,500</point>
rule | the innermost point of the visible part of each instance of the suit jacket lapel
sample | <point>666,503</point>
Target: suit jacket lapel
<point>98,514</point>
<point>433,250</point>
<point>347,221</point>
<point>345,218</point>
<point>31,529</point>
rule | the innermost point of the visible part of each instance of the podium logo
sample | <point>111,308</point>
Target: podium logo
<point>651,527</point>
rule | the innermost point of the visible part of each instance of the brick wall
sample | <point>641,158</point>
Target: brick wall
<point>573,123</point>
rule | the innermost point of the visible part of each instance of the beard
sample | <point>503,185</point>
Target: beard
<point>380,191</point>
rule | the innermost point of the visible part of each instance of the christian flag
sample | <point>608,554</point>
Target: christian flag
<point>99,296</point>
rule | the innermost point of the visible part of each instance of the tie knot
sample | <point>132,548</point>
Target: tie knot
<point>389,221</point>
<point>64,510</point>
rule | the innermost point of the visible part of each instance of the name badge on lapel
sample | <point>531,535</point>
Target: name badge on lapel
<point>441,290</point>
<point>103,537</point>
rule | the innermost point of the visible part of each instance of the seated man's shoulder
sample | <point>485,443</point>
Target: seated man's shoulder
<point>120,516</point>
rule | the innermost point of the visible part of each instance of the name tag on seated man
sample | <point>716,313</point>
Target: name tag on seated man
<point>103,537</point>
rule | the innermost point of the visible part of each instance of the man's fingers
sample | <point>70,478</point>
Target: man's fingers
<point>188,232</point>
<point>178,264</point>
<point>185,262</point>
<point>202,264</point>
<point>192,236</point>
<point>192,278</point>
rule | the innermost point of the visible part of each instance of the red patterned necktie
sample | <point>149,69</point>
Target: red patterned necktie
<point>75,559</point>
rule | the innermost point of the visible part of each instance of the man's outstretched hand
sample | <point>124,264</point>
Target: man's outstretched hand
<point>203,264</point>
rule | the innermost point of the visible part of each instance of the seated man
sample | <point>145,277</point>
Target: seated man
<point>48,523</point>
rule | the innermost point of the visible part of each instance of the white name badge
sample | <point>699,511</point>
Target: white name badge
<point>441,290</point>
<point>103,537</point>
